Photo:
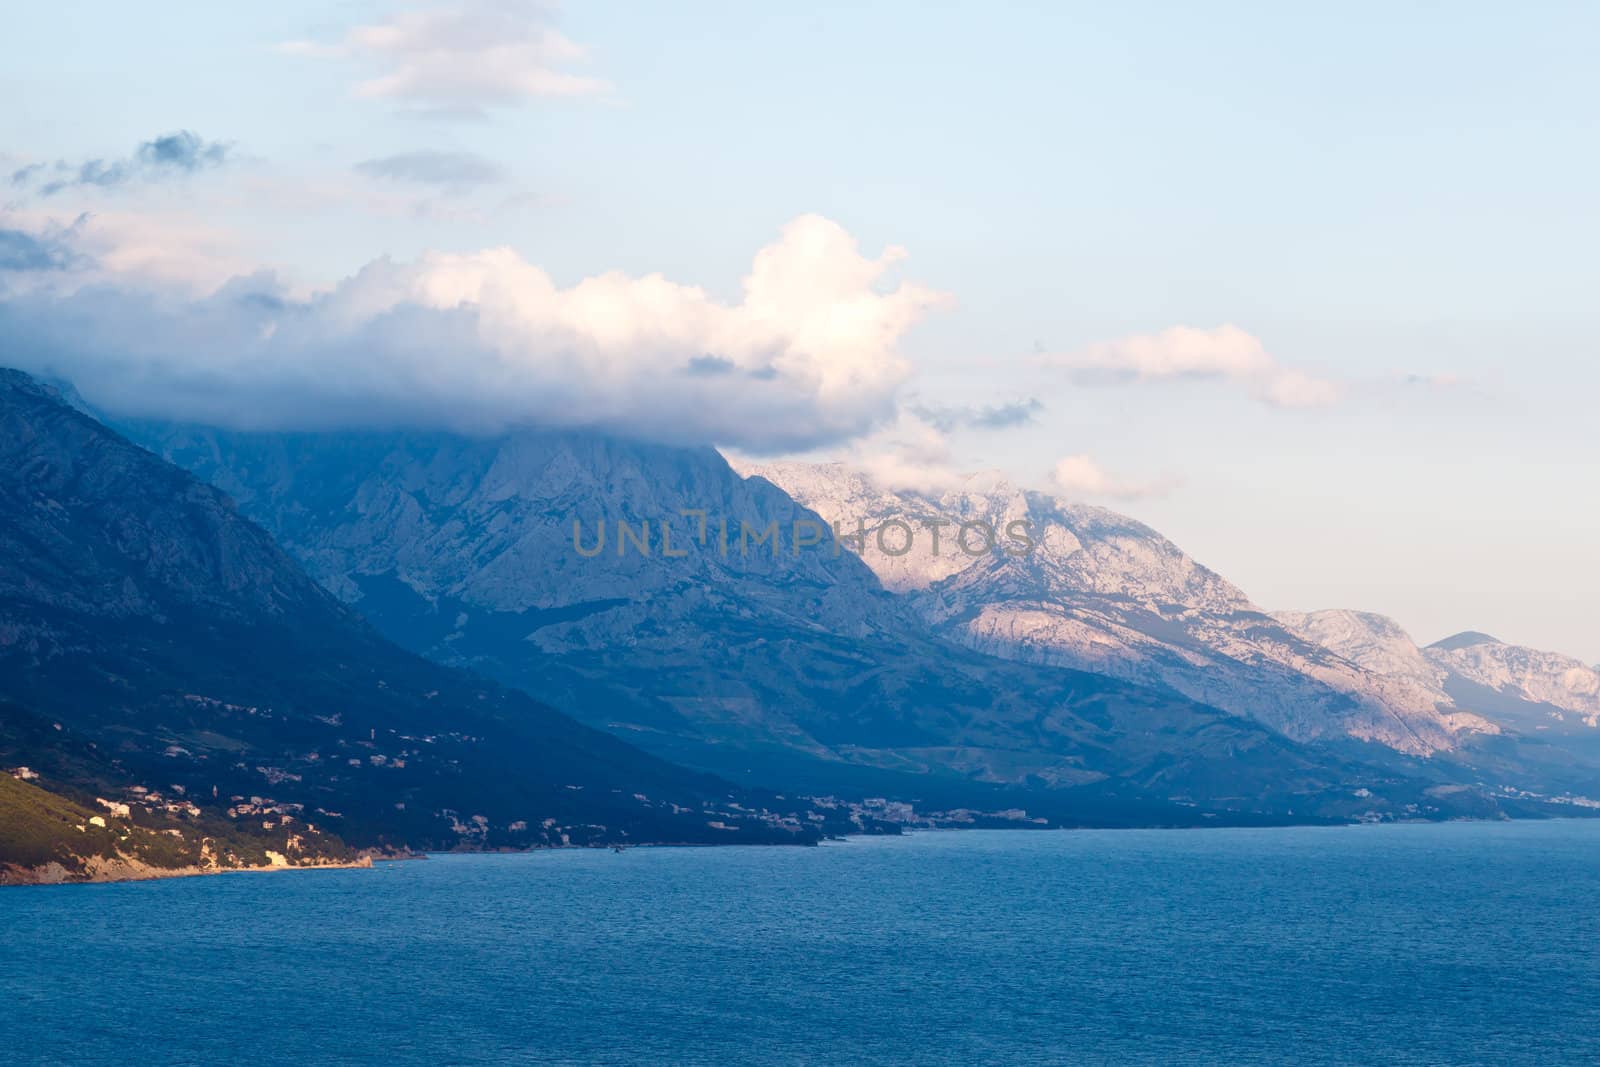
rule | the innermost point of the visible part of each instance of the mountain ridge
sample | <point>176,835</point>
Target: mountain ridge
<point>142,614</point>
<point>1104,592</point>
<point>793,666</point>
<point>1470,669</point>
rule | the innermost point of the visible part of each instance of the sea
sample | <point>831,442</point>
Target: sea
<point>1457,943</point>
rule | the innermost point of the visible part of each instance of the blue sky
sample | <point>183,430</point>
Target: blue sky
<point>1394,202</point>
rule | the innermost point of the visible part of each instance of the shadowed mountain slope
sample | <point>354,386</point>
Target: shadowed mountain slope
<point>153,626</point>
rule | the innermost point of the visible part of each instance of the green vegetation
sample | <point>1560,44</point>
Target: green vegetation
<point>38,827</point>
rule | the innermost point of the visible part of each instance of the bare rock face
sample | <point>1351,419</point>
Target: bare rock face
<point>1098,591</point>
<point>1374,642</point>
<point>1548,689</point>
<point>1508,686</point>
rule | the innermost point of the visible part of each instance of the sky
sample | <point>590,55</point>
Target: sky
<point>1307,289</point>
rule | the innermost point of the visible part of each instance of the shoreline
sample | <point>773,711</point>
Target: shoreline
<point>109,873</point>
<point>102,872</point>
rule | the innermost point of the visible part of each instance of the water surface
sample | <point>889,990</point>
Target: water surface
<point>1461,943</point>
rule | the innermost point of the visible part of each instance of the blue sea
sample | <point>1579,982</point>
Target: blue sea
<point>1464,943</point>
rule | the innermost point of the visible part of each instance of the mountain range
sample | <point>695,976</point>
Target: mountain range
<point>1533,693</point>
<point>259,641</point>
<point>1103,662</point>
<point>767,664</point>
<point>156,643</point>
<point>1103,592</point>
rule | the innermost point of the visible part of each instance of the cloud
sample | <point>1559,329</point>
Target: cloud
<point>183,152</point>
<point>464,58</point>
<point>25,252</point>
<point>1080,476</point>
<point>1443,380</point>
<point>908,455</point>
<point>1296,389</point>
<point>990,417</point>
<point>807,355</point>
<point>706,366</point>
<point>1187,352</point>
<point>25,175</point>
<point>158,253</point>
<point>451,170</point>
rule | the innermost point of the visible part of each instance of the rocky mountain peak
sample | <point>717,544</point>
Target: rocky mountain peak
<point>1464,639</point>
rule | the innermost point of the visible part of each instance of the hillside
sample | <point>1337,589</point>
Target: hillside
<point>46,837</point>
<point>171,638</point>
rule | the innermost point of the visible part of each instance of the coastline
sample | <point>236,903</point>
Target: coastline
<point>105,872</point>
<point>102,872</point>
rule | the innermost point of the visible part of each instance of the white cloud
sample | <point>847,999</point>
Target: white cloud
<point>1179,352</point>
<point>1296,389</point>
<point>807,356</point>
<point>908,455</point>
<point>465,57</point>
<point>1081,476</point>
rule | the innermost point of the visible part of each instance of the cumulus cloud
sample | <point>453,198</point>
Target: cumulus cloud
<point>183,152</point>
<point>807,356</point>
<point>448,170</point>
<point>948,419</point>
<point>1187,352</point>
<point>1081,476</point>
<point>464,58</point>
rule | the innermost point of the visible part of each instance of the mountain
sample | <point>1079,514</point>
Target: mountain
<point>1545,706</point>
<point>781,663</point>
<point>156,643</point>
<point>1544,690</point>
<point>1373,642</point>
<point>1098,591</point>
<point>1512,686</point>
<point>1464,639</point>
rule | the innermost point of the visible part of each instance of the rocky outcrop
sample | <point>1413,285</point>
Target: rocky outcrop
<point>1546,689</point>
<point>1509,686</point>
<point>1098,591</point>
